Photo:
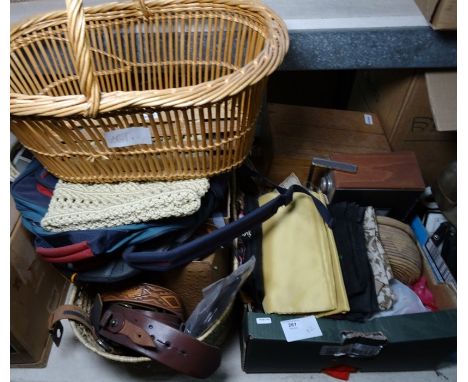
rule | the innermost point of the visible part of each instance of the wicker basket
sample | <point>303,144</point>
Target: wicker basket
<point>401,249</point>
<point>190,73</point>
<point>215,335</point>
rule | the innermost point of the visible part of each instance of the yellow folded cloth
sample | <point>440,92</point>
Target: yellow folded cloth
<point>301,269</point>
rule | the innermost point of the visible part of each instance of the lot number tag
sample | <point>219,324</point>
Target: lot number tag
<point>301,328</point>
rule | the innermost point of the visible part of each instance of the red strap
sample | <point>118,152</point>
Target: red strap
<point>62,251</point>
<point>79,256</point>
<point>66,254</point>
<point>44,190</point>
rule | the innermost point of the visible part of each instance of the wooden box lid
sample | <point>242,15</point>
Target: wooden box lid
<point>396,170</point>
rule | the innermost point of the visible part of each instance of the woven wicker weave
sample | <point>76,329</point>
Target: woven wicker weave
<point>192,72</point>
<point>401,249</point>
<point>215,335</point>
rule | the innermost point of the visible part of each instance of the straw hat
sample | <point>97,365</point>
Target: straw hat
<point>401,249</point>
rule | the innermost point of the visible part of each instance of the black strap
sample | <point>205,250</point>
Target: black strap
<point>204,245</point>
<point>321,208</point>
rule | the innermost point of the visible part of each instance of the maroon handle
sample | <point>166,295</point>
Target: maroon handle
<point>67,253</point>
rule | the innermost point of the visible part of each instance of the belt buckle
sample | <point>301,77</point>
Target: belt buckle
<point>102,343</point>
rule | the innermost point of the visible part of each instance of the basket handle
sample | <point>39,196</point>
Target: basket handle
<point>81,49</point>
<point>144,9</point>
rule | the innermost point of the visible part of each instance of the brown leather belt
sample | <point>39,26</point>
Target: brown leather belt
<point>158,341</point>
<point>160,303</point>
<point>147,319</point>
<point>148,295</point>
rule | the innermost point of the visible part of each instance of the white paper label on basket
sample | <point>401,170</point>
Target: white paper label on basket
<point>368,120</point>
<point>301,328</point>
<point>128,137</point>
<point>263,320</point>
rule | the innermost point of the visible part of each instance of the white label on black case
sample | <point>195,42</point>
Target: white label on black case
<point>301,328</point>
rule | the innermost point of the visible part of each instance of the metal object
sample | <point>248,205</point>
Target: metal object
<point>326,183</point>
<point>334,165</point>
<point>323,165</point>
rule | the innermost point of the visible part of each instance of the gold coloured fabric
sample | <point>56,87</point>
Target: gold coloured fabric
<point>300,262</point>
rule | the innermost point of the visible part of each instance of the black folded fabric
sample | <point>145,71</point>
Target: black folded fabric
<point>252,242</point>
<point>357,273</point>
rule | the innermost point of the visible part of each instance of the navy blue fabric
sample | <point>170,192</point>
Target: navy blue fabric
<point>321,208</point>
<point>154,246</point>
<point>32,204</point>
<point>113,269</point>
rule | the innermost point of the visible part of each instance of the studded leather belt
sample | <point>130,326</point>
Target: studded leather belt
<point>147,319</point>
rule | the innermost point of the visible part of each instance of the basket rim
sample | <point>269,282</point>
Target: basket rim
<point>267,60</point>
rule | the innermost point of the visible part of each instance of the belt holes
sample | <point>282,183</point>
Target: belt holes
<point>152,337</point>
<point>167,343</point>
<point>150,326</point>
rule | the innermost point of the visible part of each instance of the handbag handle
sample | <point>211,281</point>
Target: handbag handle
<point>204,245</point>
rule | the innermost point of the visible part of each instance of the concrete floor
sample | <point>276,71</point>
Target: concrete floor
<point>73,362</point>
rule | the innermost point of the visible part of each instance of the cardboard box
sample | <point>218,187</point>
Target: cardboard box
<point>299,133</point>
<point>442,92</point>
<point>442,14</point>
<point>400,98</point>
<point>414,341</point>
<point>36,289</point>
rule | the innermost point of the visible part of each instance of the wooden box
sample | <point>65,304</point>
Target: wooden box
<point>299,133</point>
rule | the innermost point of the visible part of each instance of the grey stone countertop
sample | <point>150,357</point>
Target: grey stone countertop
<point>337,34</point>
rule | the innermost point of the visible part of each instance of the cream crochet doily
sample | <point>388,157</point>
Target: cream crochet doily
<point>90,206</point>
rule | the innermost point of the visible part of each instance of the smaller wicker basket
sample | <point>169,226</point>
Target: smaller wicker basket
<point>401,249</point>
<point>215,335</point>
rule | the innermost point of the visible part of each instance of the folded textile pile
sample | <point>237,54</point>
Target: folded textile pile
<point>348,231</point>
<point>301,269</point>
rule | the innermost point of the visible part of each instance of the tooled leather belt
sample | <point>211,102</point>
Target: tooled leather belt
<point>147,319</point>
<point>155,301</point>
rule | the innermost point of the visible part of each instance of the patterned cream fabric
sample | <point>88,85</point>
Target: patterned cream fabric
<point>76,206</point>
<point>378,261</point>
